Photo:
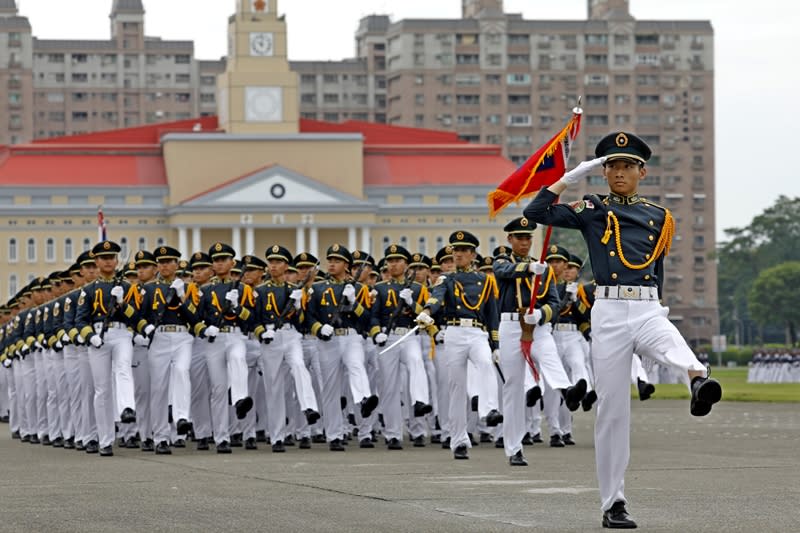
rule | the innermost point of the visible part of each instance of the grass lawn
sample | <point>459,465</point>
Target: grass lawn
<point>735,388</point>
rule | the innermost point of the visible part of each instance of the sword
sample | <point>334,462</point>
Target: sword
<point>401,339</point>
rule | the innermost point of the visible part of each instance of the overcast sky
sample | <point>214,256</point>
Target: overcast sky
<point>756,83</point>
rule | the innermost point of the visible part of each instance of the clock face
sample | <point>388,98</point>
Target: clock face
<point>263,104</point>
<point>261,44</point>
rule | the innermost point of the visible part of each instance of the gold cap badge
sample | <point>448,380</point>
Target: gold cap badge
<point>106,245</point>
<point>621,140</point>
<point>459,235</point>
<point>218,247</point>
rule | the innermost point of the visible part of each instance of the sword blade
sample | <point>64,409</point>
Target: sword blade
<point>401,339</point>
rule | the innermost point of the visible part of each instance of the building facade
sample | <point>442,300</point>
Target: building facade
<point>490,77</point>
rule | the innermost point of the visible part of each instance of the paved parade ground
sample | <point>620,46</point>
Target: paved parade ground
<point>736,470</point>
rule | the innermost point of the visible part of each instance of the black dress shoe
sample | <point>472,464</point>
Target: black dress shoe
<point>498,442</point>
<point>494,418</point>
<point>35,439</point>
<point>473,404</point>
<point>556,442</point>
<point>305,443</point>
<point>15,435</point>
<point>485,438</point>
<point>394,444</point>
<point>533,395</point>
<point>261,436</point>
<point>573,395</point>
<point>289,440</point>
<point>106,451</point>
<point>336,445</point>
<point>128,416</point>
<point>224,447</point>
<point>318,439</point>
<point>46,440</point>
<point>460,452</point>
<point>368,405</point>
<point>351,419</point>
<point>422,409</point>
<point>517,459</point>
<point>527,440</point>
<point>79,446</point>
<point>237,440</point>
<point>645,389</point>
<point>92,447</point>
<point>446,444</point>
<point>121,442</point>
<point>618,518</point>
<point>69,444</point>
<point>132,443</point>
<point>250,444</point>
<point>588,400</point>
<point>705,393</point>
<point>472,440</point>
<point>183,427</point>
<point>58,442</point>
<point>278,447</point>
<point>436,439</point>
<point>179,443</point>
<point>148,445</point>
<point>25,438</point>
<point>163,448</point>
<point>243,406</point>
<point>311,416</point>
<point>537,438</point>
<point>202,444</point>
<point>366,443</point>
<point>419,442</point>
<point>567,438</point>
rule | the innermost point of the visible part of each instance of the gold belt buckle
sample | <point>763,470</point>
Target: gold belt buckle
<point>466,322</point>
<point>630,293</point>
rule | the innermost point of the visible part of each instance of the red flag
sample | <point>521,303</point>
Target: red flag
<point>542,169</point>
<point>101,225</point>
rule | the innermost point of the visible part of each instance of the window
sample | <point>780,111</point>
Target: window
<point>68,249</point>
<point>50,250</point>
<point>518,79</point>
<point>492,244</point>
<point>12,285</point>
<point>422,244</point>
<point>183,59</point>
<point>87,244</point>
<point>31,250</point>
<point>142,243</point>
<point>439,242</point>
<point>12,251</point>
<point>123,244</point>
<point>386,241</point>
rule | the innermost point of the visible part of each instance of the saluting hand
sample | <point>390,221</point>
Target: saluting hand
<point>584,169</point>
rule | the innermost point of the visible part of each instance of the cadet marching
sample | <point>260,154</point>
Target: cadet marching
<point>286,349</point>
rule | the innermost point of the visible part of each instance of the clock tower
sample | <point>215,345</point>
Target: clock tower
<point>257,93</point>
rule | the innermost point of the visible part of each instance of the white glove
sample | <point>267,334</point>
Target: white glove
<point>233,297</point>
<point>407,296</point>
<point>179,287</point>
<point>572,291</point>
<point>140,340</point>
<point>268,336</point>
<point>58,345</point>
<point>38,345</point>
<point>64,338</point>
<point>297,296</point>
<point>537,268</point>
<point>7,363</point>
<point>424,319</point>
<point>496,356</point>
<point>96,341</point>
<point>373,295</point>
<point>584,169</point>
<point>212,331</point>
<point>25,350</point>
<point>326,330</point>
<point>80,339</point>
<point>533,318</point>
<point>118,293</point>
<point>439,337</point>
<point>381,338</point>
<point>349,294</point>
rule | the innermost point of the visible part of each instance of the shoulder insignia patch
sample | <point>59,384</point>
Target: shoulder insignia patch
<point>440,280</point>
<point>67,304</point>
<point>82,298</point>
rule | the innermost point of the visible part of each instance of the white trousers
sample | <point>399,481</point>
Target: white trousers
<point>200,411</point>
<point>40,373</point>
<point>140,370</point>
<point>442,389</point>
<point>227,367</point>
<point>29,395</point>
<point>19,383</point>
<point>310,346</point>
<point>112,361</point>
<point>4,395</point>
<point>572,355</point>
<point>463,345</point>
<point>169,360</point>
<point>59,375</point>
<point>620,328</point>
<point>347,351</point>
<point>409,353</point>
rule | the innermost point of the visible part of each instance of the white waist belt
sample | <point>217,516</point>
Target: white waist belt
<point>98,326</point>
<point>509,316</point>
<point>172,328</point>
<point>566,327</point>
<point>626,292</point>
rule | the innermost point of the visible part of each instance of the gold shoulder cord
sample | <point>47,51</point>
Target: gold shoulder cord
<point>663,244</point>
<point>488,286</point>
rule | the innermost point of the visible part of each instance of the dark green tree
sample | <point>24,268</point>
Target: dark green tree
<point>773,298</point>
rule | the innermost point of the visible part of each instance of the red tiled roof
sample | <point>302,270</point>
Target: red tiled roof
<point>381,133</point>
<point>82,168</point>
<point>149,134</point>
